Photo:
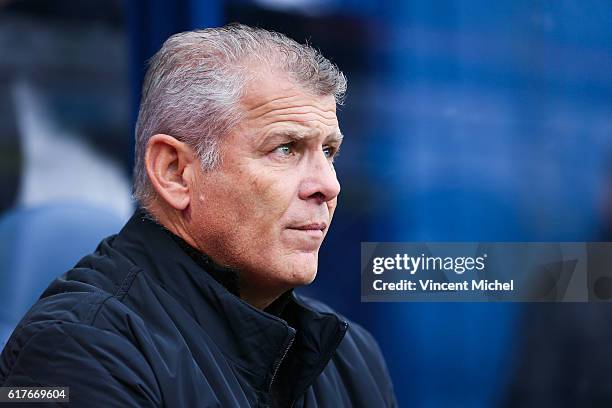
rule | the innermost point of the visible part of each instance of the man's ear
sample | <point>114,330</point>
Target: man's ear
<point>169,165</point>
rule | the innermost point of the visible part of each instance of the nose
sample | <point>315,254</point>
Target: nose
<point>320,181</point>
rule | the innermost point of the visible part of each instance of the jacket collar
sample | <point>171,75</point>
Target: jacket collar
<point>255,340</point>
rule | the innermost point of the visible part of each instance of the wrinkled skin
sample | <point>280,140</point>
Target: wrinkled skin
<point>268,206</point>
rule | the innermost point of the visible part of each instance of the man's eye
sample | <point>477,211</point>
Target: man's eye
<point>284,149</point>
<point>329,151</point>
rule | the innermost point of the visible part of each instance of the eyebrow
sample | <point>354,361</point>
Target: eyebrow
<point>297,135</point>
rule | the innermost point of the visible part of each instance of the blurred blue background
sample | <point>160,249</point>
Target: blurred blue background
<point>464,121</point>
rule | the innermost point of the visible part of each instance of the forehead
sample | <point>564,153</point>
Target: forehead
<point>274,96</point>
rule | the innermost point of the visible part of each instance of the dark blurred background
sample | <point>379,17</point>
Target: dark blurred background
<point>464,121</point>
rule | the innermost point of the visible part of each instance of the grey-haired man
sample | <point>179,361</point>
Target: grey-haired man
<point>192,303</point>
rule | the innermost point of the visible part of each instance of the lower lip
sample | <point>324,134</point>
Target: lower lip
<point>314,233</point>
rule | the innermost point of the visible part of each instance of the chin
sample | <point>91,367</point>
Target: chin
<point>302,269</point>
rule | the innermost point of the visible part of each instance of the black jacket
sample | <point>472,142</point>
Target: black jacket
<point>141,323</point>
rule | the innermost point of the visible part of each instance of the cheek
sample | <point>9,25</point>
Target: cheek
<point>253,198</point>
<point>331,206</point>
<point>270,196</point>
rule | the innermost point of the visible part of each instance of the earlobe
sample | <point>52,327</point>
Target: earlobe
<point>168,161</point>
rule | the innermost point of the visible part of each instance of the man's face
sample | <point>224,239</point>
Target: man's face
<point>266,209</point>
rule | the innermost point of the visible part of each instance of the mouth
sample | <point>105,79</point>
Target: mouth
<point>315,229</point>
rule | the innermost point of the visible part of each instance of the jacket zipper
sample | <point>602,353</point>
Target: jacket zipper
<point>343,330</point>
<point>280,362</point>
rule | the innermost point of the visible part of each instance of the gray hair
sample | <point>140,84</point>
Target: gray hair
<point>194,83</point>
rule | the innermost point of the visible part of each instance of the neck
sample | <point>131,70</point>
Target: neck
<point>258,301</point>
<point>231,278</point>
<point>172,220</point>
